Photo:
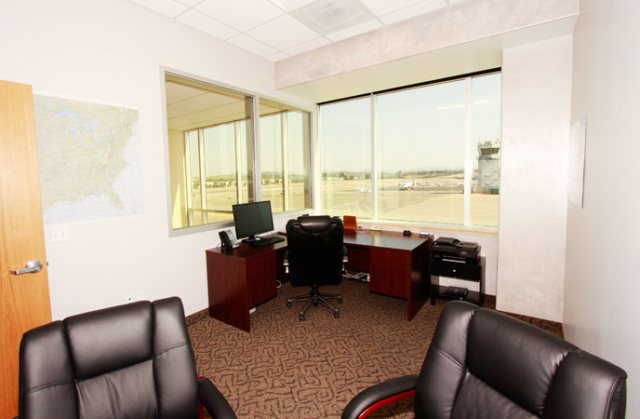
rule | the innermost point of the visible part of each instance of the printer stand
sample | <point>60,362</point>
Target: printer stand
<point>473,272</point>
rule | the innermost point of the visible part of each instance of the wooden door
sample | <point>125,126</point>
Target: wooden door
<point>24,299</point>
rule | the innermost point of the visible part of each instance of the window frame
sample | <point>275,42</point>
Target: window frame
<point>468,155</point>
<point>256,172</point>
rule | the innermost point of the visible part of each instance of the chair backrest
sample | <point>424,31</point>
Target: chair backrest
<point>315,250</point>
<point>130,361</point>
<point>482,363</point>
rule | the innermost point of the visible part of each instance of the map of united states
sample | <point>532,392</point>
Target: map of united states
<point>89,158</point>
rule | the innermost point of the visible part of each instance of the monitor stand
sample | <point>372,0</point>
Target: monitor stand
<point>251,239</point>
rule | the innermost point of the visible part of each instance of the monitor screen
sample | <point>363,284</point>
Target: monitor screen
<point>253,218</point>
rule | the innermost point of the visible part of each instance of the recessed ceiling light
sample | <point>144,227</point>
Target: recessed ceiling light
<point>329,16</point>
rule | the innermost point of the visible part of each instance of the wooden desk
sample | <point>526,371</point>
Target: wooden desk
<point>398,266</point>
<point>241,280</point>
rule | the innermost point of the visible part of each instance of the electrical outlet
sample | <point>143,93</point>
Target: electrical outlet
<point>59,233</point>
<point>140,295</point>
<point>128,297</point>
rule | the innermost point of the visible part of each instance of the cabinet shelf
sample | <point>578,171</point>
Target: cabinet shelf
<point>473,272</point>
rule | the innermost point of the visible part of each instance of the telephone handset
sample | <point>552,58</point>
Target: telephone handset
<point>228,240</point>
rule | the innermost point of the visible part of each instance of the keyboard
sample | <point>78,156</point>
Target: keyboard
<point>264,241</point>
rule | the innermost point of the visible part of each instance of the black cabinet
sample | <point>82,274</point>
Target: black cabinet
<point>465,271</point>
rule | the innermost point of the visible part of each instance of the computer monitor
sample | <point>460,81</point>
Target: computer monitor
<point>252,218</point>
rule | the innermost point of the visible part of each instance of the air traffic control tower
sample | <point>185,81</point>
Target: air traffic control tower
<point>488,168</point>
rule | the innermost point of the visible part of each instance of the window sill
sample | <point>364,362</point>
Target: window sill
<point>431,228</point>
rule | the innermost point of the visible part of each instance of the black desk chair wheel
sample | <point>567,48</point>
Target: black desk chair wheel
<point>484,364</point>
<point>315,257</point>
<point>130,361</point>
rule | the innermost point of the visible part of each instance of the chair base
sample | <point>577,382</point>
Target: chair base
<point>316,297</point>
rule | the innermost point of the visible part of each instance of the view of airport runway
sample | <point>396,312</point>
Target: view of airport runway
<point>437,199</point>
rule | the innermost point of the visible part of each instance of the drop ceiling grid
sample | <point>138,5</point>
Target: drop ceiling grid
<point>268,29</point>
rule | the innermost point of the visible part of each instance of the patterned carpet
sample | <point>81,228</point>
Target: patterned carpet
<point>287,368</point>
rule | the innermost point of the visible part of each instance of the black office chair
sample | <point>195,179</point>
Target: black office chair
<point>130,361</point>
<point>484,364</point>
<point>315,257</point>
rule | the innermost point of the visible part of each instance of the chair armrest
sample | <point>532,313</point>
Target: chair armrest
<point>380,395</point>
<point>215,403</point>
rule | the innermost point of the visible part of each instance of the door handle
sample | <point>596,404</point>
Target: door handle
<point>32,267</point>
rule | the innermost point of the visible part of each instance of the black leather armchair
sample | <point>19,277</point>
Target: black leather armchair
<point>132,361</point>
<point>484,364</point>
<point>315,257</point>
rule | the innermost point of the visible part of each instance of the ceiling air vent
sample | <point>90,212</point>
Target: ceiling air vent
<point>329,16</point>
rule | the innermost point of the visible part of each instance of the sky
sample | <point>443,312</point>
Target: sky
<point>417,129</point>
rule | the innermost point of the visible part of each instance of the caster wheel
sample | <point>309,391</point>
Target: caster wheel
<point>433,301</point>
<point>336,315</point>
<point>315,304</point>
<point>301,317</point>
<point>289,304</point>
<point>339,300</point>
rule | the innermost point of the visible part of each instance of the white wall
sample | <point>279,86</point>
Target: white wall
<point>536,96</point>
<point>602,285</point>
<point>110,51</point>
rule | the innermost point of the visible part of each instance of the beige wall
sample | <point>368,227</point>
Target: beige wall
<point>602,284</point>
<point>536,100</point>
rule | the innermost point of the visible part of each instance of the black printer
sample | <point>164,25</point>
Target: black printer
<point>448,248</point>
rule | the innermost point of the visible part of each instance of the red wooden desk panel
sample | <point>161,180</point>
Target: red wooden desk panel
<point>241,280</point>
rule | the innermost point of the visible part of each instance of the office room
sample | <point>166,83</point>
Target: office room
<point>564,65</point>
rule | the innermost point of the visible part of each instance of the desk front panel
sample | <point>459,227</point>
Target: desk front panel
<point>261,275</point>
<point>390,271</point>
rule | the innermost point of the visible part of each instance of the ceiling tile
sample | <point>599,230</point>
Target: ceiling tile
<point>308,46</point>
<point>355,30</point>
<point>413,11</point>
<point>289,5</point>
<point>384,7</point>
<point>190,3</point>
<point>252,45</point>
<point>277,56</point>
<point>283,32</point>
<point>206,24</point>
<point>241,15</point>
<point>177,92</point>
<point>169,8</point>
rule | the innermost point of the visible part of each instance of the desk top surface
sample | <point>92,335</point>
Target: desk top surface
<point>383,239</point>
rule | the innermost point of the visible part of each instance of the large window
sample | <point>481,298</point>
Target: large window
<point>345,129</point>
<point>427,154</point>
<point>284,156</point>
<point>212,147</point>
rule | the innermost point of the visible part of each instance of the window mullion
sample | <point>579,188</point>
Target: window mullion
<point>257,167</point>
<point>237,135</point>
<point>203,181</point>
<point>285,159</point>
<point>468,163</point>
<point>187,178</point>
<point>374,159</point>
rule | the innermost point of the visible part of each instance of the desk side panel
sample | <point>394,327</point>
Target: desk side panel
<point>227,289</point>
<point>261,275</point>
<point>420,278</point>
<point>358,258</point>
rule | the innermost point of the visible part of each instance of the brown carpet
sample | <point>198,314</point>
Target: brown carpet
<point>286,368</point>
